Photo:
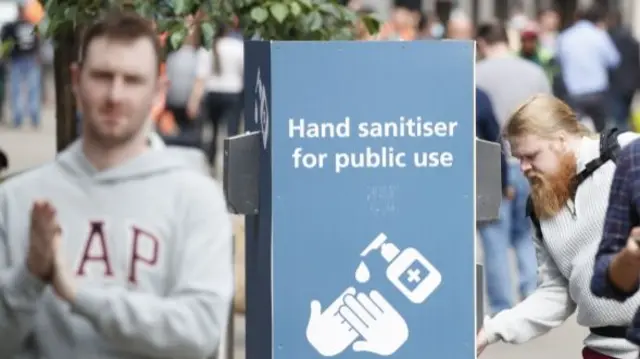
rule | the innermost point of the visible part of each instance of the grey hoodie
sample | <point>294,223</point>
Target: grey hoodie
<point>150,244</point>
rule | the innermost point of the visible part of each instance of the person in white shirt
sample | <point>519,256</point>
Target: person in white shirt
<point>216,95</point>
<point>570,178</point>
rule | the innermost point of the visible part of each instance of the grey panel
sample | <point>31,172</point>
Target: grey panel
<point>241,172</point>
<point>479,296</point>
<point>488,180</point>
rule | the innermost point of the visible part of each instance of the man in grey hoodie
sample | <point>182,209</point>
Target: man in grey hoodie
<point>115,249</point>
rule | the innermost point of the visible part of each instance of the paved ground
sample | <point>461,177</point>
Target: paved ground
<point>27,148</point>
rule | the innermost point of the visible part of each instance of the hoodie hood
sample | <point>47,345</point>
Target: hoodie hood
<point>157,160</point>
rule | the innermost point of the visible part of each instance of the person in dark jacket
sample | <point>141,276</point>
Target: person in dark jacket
<point>625,79</point>
<point>487,129</point>
<point>4,161</point>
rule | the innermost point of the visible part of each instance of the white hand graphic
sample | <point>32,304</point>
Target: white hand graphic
<point>383,329</point>
<point>327,331</point>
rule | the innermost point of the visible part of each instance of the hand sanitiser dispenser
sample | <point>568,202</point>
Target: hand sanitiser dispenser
<point>408,270</point>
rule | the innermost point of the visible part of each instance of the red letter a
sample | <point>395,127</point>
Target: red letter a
<point>96,232</point>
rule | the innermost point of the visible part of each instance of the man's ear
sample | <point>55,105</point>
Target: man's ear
<point>560,144</point>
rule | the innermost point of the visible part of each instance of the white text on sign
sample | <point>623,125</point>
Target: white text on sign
<point>371,156</point>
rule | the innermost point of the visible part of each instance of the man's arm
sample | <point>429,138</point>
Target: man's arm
<point>616,269</point>
<point>19,294</point>
<point>546,308</point>
<point>187,322</point>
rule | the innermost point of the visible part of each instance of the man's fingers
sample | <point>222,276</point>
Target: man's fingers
<point>635,232</point>
<point>42,209</point>
<point>36,210</point>
<point>48,213</point>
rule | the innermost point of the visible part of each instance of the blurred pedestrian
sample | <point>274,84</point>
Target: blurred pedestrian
<point>216,94</point>
<point>24,67</point>
<point>625,78</point>
<point>586,54</point>
<point>181,67</point>
<point>549,21</point>
<point>460,26</point>
<point>487,129</point>
<point>531,50</point>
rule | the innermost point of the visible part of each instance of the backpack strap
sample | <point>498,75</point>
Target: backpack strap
<point>609,150</point>
<point>534,219</point>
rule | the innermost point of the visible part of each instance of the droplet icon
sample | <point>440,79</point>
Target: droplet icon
<point>362,273</point>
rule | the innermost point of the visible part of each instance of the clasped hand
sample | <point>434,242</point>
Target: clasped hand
<point>45,256</point>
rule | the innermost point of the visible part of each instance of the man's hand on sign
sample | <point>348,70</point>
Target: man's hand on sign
<point>481,342</point>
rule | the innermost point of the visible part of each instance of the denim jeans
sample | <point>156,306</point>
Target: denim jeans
<point>621,108</point>
<point>511,230</point>
<point>25,72</point>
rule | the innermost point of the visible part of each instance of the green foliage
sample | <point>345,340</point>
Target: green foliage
<point>6,47</point>
<point>267,19</point>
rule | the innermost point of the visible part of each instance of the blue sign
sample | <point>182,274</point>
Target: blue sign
<point>371,224</point>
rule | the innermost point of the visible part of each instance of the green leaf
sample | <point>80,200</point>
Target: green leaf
<point>330,8</point>
<point>371,23</point>
<point>306,3</point>
<point>350,15</point>
<point>179,6</point>
<point>279,11</point>
<point>6,47</point>
<point>177,38</point>
<point>207,33</point>
<point>295,8</point>
<point>259,15</point>
<point>313,21</point>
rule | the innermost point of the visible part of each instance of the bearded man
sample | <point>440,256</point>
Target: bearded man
<point>555,151</point>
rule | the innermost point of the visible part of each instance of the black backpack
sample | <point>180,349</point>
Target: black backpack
<point>609,149</point>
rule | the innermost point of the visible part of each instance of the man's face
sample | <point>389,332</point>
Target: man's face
<point>116,88</point>
<point>550,169</point>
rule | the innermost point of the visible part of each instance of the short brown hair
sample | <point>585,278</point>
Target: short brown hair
<point>543,115</point>
<point>121,25</point>
<point>492,33</point>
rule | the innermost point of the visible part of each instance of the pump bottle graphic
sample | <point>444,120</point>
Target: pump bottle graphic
<point>408,270</point>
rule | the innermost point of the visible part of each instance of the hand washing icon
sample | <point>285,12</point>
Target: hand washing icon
<point>368,322</point>
<point>408,270</point>
<point>362,273</point>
